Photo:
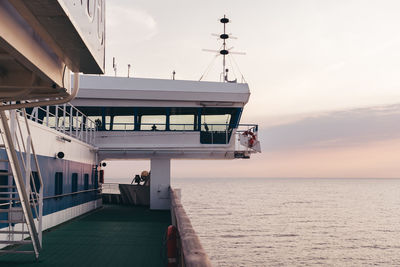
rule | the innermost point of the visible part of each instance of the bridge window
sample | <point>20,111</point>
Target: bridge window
<point>215,122</point>
<point>97,120</point>
<point>152,122</point>
<point>206,119</point>
<point>125,123</point>
<point>182,122</point>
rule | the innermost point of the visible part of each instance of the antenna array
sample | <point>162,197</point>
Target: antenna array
<point>224,50</point>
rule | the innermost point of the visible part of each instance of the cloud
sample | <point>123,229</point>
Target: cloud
<point>334,129</point>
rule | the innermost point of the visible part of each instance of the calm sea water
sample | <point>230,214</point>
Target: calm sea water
<point>296,222</point>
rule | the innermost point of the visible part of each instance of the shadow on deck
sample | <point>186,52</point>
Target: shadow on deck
<point>111,236</point>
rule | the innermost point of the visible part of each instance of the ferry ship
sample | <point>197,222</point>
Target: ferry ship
<point>60,122</point>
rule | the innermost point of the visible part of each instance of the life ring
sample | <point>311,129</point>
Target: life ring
<point>252,138</point>
<point>172,246</point>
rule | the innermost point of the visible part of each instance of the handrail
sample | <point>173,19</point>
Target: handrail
<point>243,129</point>
<point>55,196</point>
<point>73,193</point>
<point>192,252</point>
<point>11,136</point>
<point>68,120</point>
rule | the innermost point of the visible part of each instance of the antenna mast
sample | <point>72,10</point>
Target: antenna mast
<point>224,52</point>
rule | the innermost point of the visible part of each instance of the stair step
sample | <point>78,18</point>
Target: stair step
<point>13,232</point>
<point>10,251</point>
<point>2,145</point>
<point>13,210</point>
<point>15,242</point>
<point>5,173</point>
<point>4,160</point>
<point>13,221</point>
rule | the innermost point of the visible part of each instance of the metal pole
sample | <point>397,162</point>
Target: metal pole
<point>64,115</point>
<point>47,115</point>
<point>71,120</point>
<point>56,123</point>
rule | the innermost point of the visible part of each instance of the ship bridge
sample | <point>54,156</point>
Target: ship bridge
<point>155,118</point>
<point>160,120</point>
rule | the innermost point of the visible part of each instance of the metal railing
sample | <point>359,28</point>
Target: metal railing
<point>66,119</point>
<point>252,128</point>
<point>30,197</point>
<point>110,188</point>
<point>209,133</point>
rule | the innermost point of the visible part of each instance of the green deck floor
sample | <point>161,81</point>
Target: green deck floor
<point>111,236</point>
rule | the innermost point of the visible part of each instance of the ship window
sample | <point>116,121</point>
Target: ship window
<point>35,176</point>
<point>58,185</point>
<point>74,183</point>
<point>215,122</point>
<point>108,123</point>
<point>181,122</point>
<point>96,120</point>
<point>86,182</point>
<point>153,122</point>
<point>92,180</point>
<point>124,123</point>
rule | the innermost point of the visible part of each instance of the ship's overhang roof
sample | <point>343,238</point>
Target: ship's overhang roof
<point>111,91</point>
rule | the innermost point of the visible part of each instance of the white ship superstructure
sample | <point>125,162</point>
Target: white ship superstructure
<point>162,120</point>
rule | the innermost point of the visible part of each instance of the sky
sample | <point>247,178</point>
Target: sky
<point>323,74</point>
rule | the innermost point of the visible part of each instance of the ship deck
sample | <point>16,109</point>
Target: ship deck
<point>111,236</point>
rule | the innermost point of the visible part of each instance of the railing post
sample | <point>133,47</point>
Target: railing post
<point>77,123</point>
<point>47,115</point>
<point>56,123</point>
<point>64,116</point>
<point>71,120</point>
<point>82,127</point>
<point>226,134</point>
<point>28,164</point>
<point>86,130</point>
<point>90,132</point>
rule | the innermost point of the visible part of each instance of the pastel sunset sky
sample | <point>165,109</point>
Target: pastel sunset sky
<point>324,78</point>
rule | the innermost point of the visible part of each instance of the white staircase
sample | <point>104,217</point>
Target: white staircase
<point>20,199</point>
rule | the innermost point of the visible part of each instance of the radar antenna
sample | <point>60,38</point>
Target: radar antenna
<point>224,50</point>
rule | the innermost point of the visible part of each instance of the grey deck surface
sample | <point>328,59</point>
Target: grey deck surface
<point>112,236</point>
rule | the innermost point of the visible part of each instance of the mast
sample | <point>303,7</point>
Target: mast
<point>224,51</point>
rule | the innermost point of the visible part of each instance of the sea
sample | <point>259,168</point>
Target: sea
<point>295,222</point>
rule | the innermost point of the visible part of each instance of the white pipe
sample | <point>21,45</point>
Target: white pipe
<point>48,102</point>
